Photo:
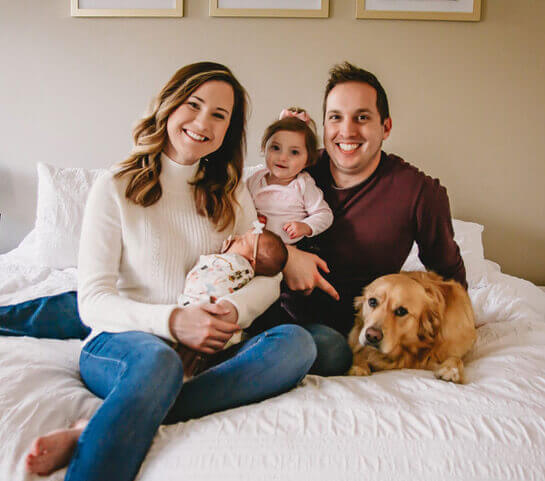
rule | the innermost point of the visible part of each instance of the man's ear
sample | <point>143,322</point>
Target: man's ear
<point>387,125</point>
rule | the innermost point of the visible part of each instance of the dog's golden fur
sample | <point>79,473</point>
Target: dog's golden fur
<point>412,320</point>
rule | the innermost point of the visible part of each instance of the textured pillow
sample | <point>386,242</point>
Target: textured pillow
<point>62,193</point>
<point>468,236</point>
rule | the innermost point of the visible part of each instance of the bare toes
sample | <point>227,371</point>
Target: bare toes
<point>53,451</point>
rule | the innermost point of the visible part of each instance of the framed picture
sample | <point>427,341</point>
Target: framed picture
<point>269,8</point>
<point>461,10</point>
<point>127,8</point>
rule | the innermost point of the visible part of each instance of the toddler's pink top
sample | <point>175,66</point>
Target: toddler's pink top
<point>301,200</point>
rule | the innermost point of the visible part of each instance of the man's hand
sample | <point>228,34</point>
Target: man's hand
<point>301,273</point>
<point>205,328</point>
<point>297,229</point>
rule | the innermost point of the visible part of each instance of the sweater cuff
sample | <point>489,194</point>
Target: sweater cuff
<point>162,329</point>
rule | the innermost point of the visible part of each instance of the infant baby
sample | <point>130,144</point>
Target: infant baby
<point>258,252</point>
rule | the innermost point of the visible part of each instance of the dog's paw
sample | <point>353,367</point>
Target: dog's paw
<point>359,371</point>
<point>451,370</point>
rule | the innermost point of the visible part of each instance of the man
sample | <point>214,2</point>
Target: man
<point>381,206</point>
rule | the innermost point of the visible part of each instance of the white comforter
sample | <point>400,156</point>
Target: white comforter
<point>399,425</point>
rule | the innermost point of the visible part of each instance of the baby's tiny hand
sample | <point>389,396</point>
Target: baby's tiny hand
<point>297,229</point>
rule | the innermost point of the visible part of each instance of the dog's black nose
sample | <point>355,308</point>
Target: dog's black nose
<point>374,336</point>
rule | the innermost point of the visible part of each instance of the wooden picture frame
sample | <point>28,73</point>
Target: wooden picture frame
<point>269,8</point>
<point>123,8</point>
<point>452,10</point>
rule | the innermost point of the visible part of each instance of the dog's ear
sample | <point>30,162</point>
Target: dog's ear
<point>358,304</point>
<point>433,312</point>
<point>435,288</point>
<point>353,336</point>
<point>428,325</point>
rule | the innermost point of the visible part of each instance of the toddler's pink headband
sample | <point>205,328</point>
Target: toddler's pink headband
<point>299,115</point>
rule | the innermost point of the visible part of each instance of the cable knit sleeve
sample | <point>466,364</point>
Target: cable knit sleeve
<point>100,304</point>
<point>320,216</point>
<point>256,296</point>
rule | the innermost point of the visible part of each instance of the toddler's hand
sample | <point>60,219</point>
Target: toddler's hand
<point>297,229</point>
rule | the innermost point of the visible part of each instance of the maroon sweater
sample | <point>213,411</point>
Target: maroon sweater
<point>373,231</point>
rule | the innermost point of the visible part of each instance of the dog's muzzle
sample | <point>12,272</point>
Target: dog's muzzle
<point>373,336</point>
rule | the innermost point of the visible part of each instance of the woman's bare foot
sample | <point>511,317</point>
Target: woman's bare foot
<point>54,450</point>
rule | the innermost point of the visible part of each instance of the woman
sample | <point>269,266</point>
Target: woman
<point>177,196</point>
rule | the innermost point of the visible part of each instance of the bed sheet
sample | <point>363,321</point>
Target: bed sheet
<point>401,425</point>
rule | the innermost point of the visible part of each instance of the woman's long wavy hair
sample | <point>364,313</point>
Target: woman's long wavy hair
<point>218,176</point>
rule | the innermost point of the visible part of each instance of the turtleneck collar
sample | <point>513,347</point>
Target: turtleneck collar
<point>174,175</point>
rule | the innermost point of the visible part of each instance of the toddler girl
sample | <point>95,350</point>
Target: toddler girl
<point>286,198</point>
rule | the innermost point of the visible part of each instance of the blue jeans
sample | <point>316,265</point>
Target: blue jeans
<point>140,379</point>
<point>54,317</point>
<point>334,356</point>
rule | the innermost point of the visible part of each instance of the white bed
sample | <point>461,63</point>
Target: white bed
<point>398,425</point>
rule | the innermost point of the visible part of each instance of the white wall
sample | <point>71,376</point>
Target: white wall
<point>467,99</point>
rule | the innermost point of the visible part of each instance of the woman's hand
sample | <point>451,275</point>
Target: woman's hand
<point>297,229</point>
<point>301,273</point>
<point>206,327</point>
<point>231,315</point>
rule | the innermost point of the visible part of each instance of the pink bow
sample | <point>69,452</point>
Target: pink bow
<point>290,113</point>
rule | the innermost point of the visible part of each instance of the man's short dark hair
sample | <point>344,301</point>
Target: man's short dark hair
<point>346,72</point>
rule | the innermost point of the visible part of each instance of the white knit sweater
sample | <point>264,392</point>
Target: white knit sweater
<point>133,260</point>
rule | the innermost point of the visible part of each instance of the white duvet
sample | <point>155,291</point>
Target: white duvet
<point>398,425</point>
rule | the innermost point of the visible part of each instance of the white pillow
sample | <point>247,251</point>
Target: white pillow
<point>468,236</point>
<point>62,193</point>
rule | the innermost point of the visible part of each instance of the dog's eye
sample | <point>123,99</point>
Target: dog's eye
<point>372,302</point>
<point>400,311</point>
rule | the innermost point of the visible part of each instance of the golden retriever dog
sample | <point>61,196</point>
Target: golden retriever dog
<point>413,320</point>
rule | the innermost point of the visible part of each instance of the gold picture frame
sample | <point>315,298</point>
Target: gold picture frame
<point>262,8</point>
<point>117,8</point>
<point>450,10</point>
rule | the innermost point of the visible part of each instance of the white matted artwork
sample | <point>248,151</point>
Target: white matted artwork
<point>462,10</point>
<point>127,8</point>
<point>269,8</point>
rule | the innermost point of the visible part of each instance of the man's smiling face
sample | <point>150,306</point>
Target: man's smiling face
<point>353,132</point>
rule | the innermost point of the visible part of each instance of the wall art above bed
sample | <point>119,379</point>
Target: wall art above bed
<point>127,8</point>
<point>269,8</point>
<point>461,10</point>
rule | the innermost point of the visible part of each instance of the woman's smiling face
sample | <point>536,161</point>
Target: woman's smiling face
<point>198,126</point>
